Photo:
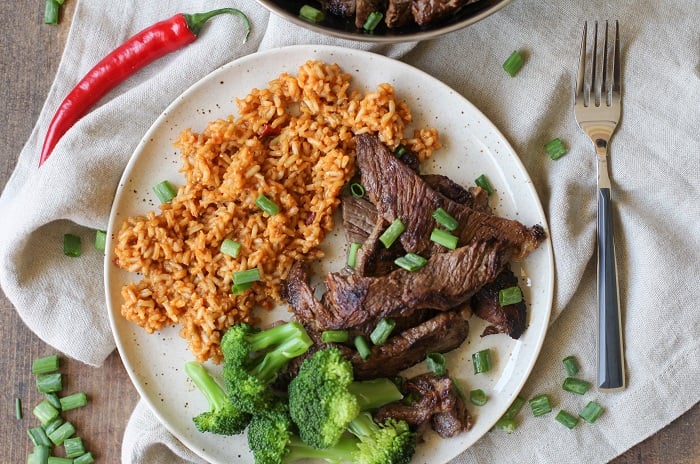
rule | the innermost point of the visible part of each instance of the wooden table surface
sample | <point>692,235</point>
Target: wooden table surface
<point>30,56</point>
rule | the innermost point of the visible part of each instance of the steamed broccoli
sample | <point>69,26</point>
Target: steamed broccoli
<point>253,358</point>
<point>391,442</point>
<point>324,398</point>
<point>272,439</point>
<point>222,418</point>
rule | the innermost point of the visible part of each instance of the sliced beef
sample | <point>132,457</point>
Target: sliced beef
<point>447,280</point>
<point>363,8</point>
<point>511,319</point>
<point>436,403</point>
<point>359,218</point>
<point>398,192</point>
<point>439,334</point>
<point>431,11</point>
<point>398,13</point>
<point>344,8</point>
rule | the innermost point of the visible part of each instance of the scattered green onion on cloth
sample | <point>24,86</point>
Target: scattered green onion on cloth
<point>656,144</point>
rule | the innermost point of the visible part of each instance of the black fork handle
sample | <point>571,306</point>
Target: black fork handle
<point>611,364</point>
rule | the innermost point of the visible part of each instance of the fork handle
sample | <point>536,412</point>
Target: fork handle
<point>611,364</point>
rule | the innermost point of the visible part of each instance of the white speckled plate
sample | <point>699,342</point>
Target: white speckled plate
<point>472,146</point>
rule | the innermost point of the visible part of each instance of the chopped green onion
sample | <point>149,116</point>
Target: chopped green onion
<point>445,219</point>
<point>310,13</point>
<point>478,397</point>
<point>392,232</point>
<point>352,254</point>
<point>18,409</point>
<point>505,424</point>
<point>400,151</point>
<point>591,412</point>
<point>357,190</point>
<point>513,63</point>
<point>45,412</point>
<point>66,430</point>
<point>334,336</point>
<point>362,347</point>
<point>53,424</point>
<point>458,387</point>
<point>567,419</point>
<point>100,240</point>
<point>59,460</point>
<point>411,262</point>
<point>54,400</point>
<point>41,454</point>
<point>555,149</point>
<point>514,408</point>
<point>381,333</point>
<point>574,385</point>
<point>51,10</point>
<point>540,405</point>
<point>86,458</point>
<point>246,277</point>
<point>38,436</point>
<point>76,400</point>
<point>164,191</point>
<point>571,365</point>
<point>230,247</point>
<point>444,238</point>
<point>267,205</point>
<point>436,363</point>
<point>73,447</point>
<point>372,21</point>
<point>483,182</point>
<point>240,288</point>
<point>482,361</point>
<point>47,383</point>
<point>71,245</point>
<point>46,364</point>
<point>509,296</point>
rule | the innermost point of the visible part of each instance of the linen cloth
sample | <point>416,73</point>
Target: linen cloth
<point>655,170</point>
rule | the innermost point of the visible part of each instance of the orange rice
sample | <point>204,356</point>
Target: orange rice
<point>302,167</point>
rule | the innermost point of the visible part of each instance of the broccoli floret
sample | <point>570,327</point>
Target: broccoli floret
<point>254,357</point>
<point>391,442</point>
<point>272,439</point>
<point>324,398</point>
<point>222,418</point>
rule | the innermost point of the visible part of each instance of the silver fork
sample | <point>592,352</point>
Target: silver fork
<point>597,109</point>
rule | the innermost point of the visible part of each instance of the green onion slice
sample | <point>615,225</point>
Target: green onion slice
<point>47,383</point>
<point>38,436</point>
<point>505,424</point>
<point>246,277</point>
<point>372,21</point>
<point>100,239</point>
<point>18,409</point>
<point>411,262</point>
<point>357,190</point>
<point>436,363</point>
<point>392,232</point>
<point>71,245</point>
<point>478,397</point>
<point>51,10</point>
<point>566,419</point>
<point>53,424</point>
<point>483,182</point>
<point>86,458</point>
<point>352,254</point>
<point>164,191</point>
<point>381,333</point>
<point>514,408</point>
<point>45,364</point>
<point>540,405</point>
<point>240,288</point>
<point>40,455</point>
<point>54,400</point>
<point>513,63</point>
<point>510,295</point>
<point>58,436</point>
<point>445,219</point>
<point>45,412</point>
<point>362,347</point>
<point>444,238</point>
<point>310,13</point>
<point>574,385</point>
<point>555,149</point>
<point>482,361</point>
<point>571,365</point>
<point>230,247</point>
<point>334,336</point>
<point>591,412</point>
<point>267,205</point>
<point>74,447</point>
<point>76,400</point>
<point>400,151</point>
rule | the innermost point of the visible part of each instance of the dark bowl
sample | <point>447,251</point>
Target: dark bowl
<point>345,28</point>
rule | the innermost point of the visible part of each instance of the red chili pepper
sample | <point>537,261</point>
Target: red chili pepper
<point>145,47</point>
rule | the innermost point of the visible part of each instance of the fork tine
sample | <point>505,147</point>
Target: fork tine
<point>616,63</point>
<point>581,63</point>
<point>605,81</point>
<point>595,81</point>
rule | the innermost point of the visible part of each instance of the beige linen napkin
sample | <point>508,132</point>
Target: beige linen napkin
<point>656,180</point>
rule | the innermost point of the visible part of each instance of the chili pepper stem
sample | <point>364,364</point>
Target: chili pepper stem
<point>196,21</point>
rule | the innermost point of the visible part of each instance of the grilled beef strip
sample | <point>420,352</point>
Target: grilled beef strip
<point>398,192</point>
<point>436,402</point>
<point>510,319</point>
<point>398,13</point>
<point>344,8</point>
<point>430,11</point>
<point>363,8</point>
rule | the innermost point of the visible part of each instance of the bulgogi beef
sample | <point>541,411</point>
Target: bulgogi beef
<point>343,8</point>
<point>509,319</point>
<point>364,8</point>
<point>431,11</point>
<point>398,192</point>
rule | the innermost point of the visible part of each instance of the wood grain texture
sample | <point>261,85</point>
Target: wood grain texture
<point>29,57</point>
